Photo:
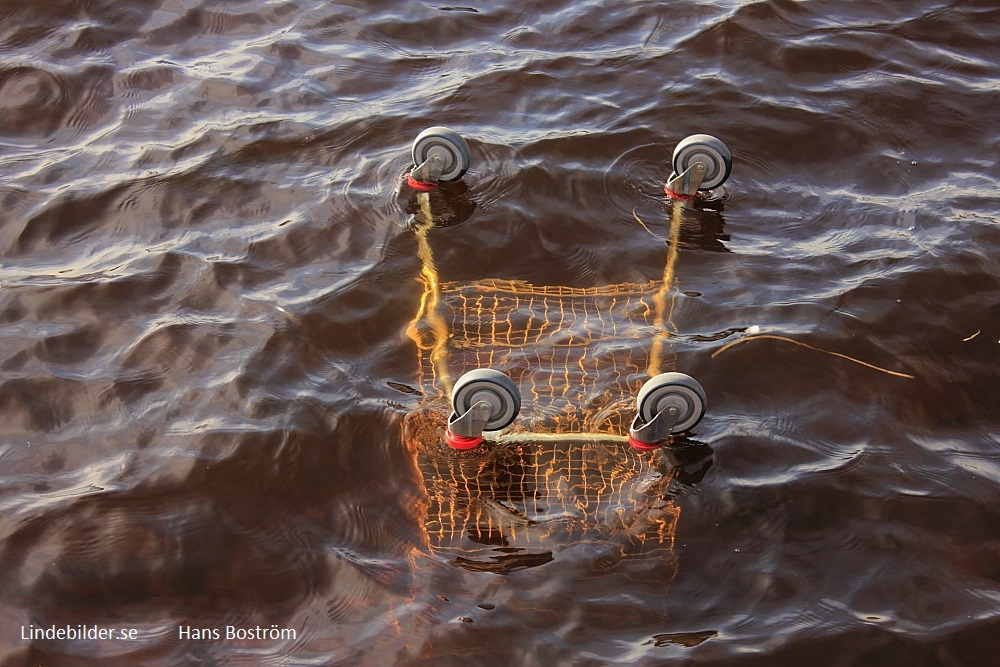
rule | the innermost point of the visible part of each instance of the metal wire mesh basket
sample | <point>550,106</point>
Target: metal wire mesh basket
<point>562,474</point>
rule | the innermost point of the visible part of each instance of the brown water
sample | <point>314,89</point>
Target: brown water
<point>209,273</point>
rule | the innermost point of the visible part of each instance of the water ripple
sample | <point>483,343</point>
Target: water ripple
<point>208,269</point>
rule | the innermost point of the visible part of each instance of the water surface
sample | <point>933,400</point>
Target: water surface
<point>209,271</point>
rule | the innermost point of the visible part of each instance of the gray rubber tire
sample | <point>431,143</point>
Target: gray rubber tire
<point>448,144</point>
<point>486,384</point>
<point>666,389</point>
<point>709,151</point>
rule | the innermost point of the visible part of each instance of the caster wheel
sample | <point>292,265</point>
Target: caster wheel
<point>448,144</point>
<point>486,384</point>
<point>677,389</point>
<point>709,151</point>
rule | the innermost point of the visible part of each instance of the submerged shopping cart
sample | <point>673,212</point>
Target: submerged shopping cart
<point>553,433</point>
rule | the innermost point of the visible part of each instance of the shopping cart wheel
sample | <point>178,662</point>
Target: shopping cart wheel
<point>449,145</point>
<point>493,387</point>
<point>672,389</point>
<point>709,151</point>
